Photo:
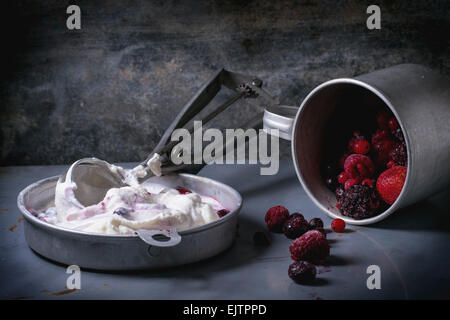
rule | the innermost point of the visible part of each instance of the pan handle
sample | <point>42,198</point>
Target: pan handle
<point>151,237</point>
<point>281,118</point>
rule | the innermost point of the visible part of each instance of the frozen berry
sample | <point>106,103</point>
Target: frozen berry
<point>361,147</point>
<point>380,135</point>
<point>331,183</point>
<point>315,223</point>
<point>339,192</point>
<point>261,238</point>
<point>368,182</point>
<point>354,140</point>
<point>399,155</point>
<point>398,133</point>
<point>342,177</point>
<point>312,246</point>
<point>295,226</point>
<point>393,123</point>
<point>302,272</point>
<point>383,151</point>
<point>223,212</point>
<point>182,190</point>
<point>275,218</point>
<point>359,202</point>
<point>390,183</point>
<point>124,212</point>
<point>350,182</point>
<point>359,166</point>
<point>342,159</point>
<point>296,214</point>
<point>338,225</point>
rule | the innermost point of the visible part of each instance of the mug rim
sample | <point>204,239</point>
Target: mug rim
<point>380,94</point>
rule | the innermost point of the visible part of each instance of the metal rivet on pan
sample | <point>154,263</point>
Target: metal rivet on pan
<point>154,251</point>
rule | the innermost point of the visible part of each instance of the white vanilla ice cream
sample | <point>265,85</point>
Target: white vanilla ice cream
<point>136,206</point>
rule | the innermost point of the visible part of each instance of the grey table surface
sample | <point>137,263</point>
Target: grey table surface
<point>411,248</point>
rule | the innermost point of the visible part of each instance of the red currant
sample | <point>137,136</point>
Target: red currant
<point>338,225</point>
<point>342,177</point>
<point>361,147</point>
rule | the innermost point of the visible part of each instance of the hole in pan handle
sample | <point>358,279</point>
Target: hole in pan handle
<point>160,238</point>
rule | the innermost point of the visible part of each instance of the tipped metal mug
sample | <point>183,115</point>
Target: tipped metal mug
<point>417,96</point>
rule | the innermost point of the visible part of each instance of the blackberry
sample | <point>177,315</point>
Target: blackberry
<point>315,223</point>
<point>399,155</point>
<point>295,226</point>
<point>302,272</point>
<point>222,213</point>
<point>360,202</point>
<point>398,134</point>
<point>122,212</point>
<point>331,183</point>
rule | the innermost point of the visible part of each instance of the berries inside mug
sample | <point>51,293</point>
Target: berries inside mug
<point>365,157</point>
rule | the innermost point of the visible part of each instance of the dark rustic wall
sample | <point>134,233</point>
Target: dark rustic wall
<point>110,89</point>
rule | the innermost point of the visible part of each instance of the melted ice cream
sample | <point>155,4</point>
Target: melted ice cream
<point>127,209</point>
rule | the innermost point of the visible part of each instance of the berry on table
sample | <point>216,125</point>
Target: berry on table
<point>295,226</point>
<point>275,218</point>
<point>312,246</point>
<point>315,223</point>
<point>302,272</point>
<point>338,225</point>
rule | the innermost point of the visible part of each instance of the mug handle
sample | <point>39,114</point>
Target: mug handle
<point>281,118</point>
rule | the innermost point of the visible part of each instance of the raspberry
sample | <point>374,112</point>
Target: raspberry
<point>295,226</point>
<point>302,272</point>
<point>315,223</point>
<point>261,238</point>
<point>361,147</point>
<point>359,166</point>
<point>182,190</point>
<point>223,212</point>
<point>338,225</point>
<point>399,155</point>
<point>275,218</point>
<point>342,160</point>
<point>359,202</point>
<point>312,247</point>
<point>342,177</point>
